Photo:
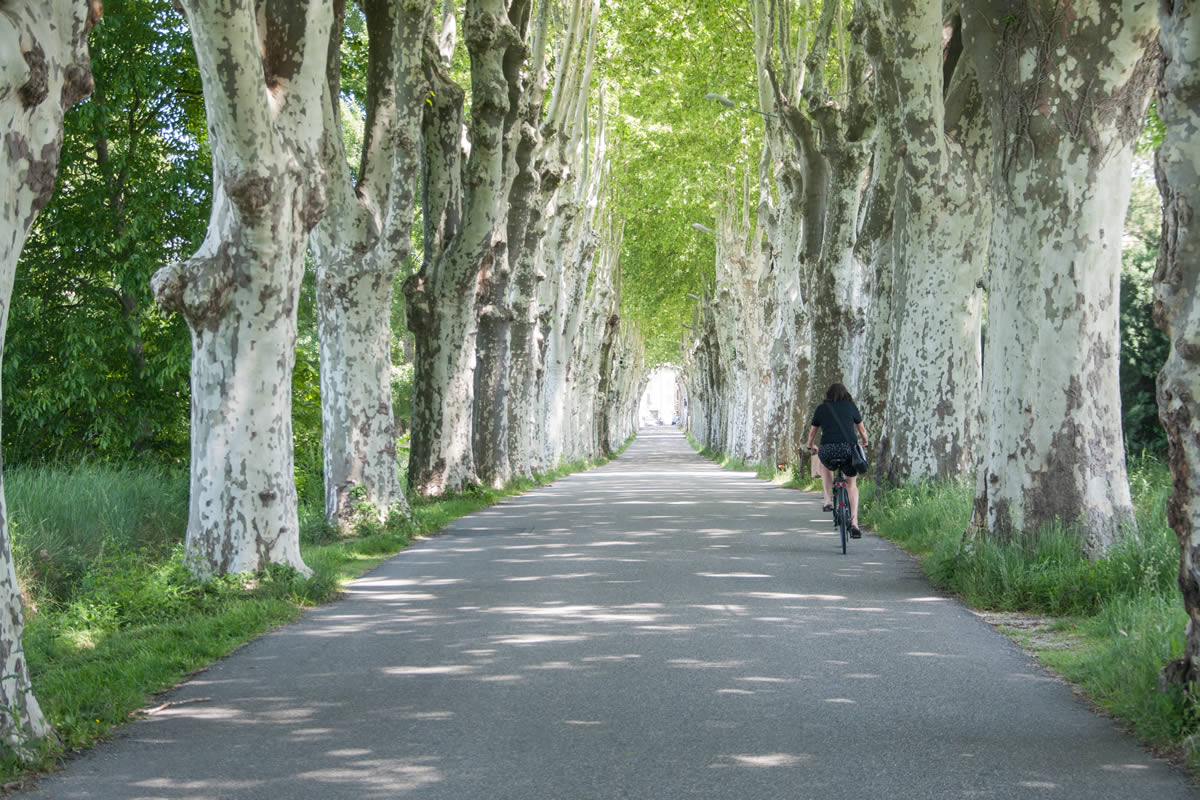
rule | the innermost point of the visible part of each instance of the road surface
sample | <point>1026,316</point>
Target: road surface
<point>655,628</point>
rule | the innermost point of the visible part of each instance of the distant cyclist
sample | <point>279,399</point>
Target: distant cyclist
<point>835,418</point>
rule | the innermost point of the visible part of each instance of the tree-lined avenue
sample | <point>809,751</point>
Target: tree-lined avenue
<point>657,627</point>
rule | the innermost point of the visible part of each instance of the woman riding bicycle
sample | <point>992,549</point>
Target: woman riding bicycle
<point>834,418</point>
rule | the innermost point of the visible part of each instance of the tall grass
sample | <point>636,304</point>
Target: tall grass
<point>1117,661</point>
<point>1045,573</point>
<point>62,521</point>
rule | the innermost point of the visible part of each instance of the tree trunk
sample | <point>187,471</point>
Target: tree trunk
<point>820,139</point>
<point>706,371</point>
<point>466,265</point>
<point>1176,286</point>
<point>358,246</point>
<point>836,317</point>
<point>621,406</point>
<point>44,70</point>
<point>569,241</point>
<point>1067,89</point>
<point>526,226</point>
<point>358,430</point>
<point>263,78</point>
<point>495,308</point>
<point>572,248</point>
<point>942,205</point>
<point>743,306</point>
<point>587,358</point>
<point>524,363</point>
<point>586,262</point>
<point>441,300</point>
<point>548,178</point>
<point>607,392</point>
<point>785,357</point>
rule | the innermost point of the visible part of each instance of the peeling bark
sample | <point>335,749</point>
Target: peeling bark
<point>494,301</point>
<point>820,142</point>
<point>742,307</point>
<point>873,246</point>
<point>942,205</point>
<point>263,77</point>
<point>44,69</point>
<point>441,297</point>
<point>1176,287</point>
<point>1067,89</point>
<point>460,303</point>
<point>360,243</point>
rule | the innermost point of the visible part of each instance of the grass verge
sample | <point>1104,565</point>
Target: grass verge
<point>790,475</point>
<point>114,617</point>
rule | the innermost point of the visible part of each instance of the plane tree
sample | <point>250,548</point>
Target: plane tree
<point>44,70</point>
<point>264,78</point>
<point>1176,283</point>
<point>1066,87</point>
<point>358,248</point>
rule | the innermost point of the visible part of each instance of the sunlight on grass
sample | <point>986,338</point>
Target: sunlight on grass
<point>79,640</point>
<point>113,615</point>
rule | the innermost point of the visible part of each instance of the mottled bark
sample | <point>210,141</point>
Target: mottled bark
<point>743,310</point>
<point>358,247</point>
<point>607,393</point>
<point>942,207</point>
<point>441,297</point>
<point>263,77</point>
<point>495,308</point>
<point>569,244</point>
<point>1176,288</point>
<point>627,369</point>
<point>873,247</point>
<point>846,130</point>
<point>570,250</point>
<point>820,140</point>
<point>601,305</point>
<point>560,388</point>
<point>539,177</point>
<point>44,70</point>
<point>459,302</point>
<point>704,375</point>
<point>1066,87</point>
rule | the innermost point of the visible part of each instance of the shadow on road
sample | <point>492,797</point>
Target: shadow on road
<point>655,628</point>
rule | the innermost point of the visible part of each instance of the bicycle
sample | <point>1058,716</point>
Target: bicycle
<point>842,515</point>
<point>841,507</point>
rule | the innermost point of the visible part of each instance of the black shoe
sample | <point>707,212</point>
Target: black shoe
<point>827,507</point>
<point>855,533</point>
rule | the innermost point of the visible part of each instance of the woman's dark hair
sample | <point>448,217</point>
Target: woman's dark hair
<point>838,394</point>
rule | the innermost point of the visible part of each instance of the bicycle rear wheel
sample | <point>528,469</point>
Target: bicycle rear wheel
<point>841,511</point>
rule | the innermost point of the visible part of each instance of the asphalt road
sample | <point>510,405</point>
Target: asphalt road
<point>656,628</point>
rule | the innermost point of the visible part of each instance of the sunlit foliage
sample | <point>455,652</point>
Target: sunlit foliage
<point>91,368</point>
<point>674,151</point>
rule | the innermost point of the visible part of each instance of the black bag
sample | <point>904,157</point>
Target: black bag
<point>858,459</point>
<point>858,456</point>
